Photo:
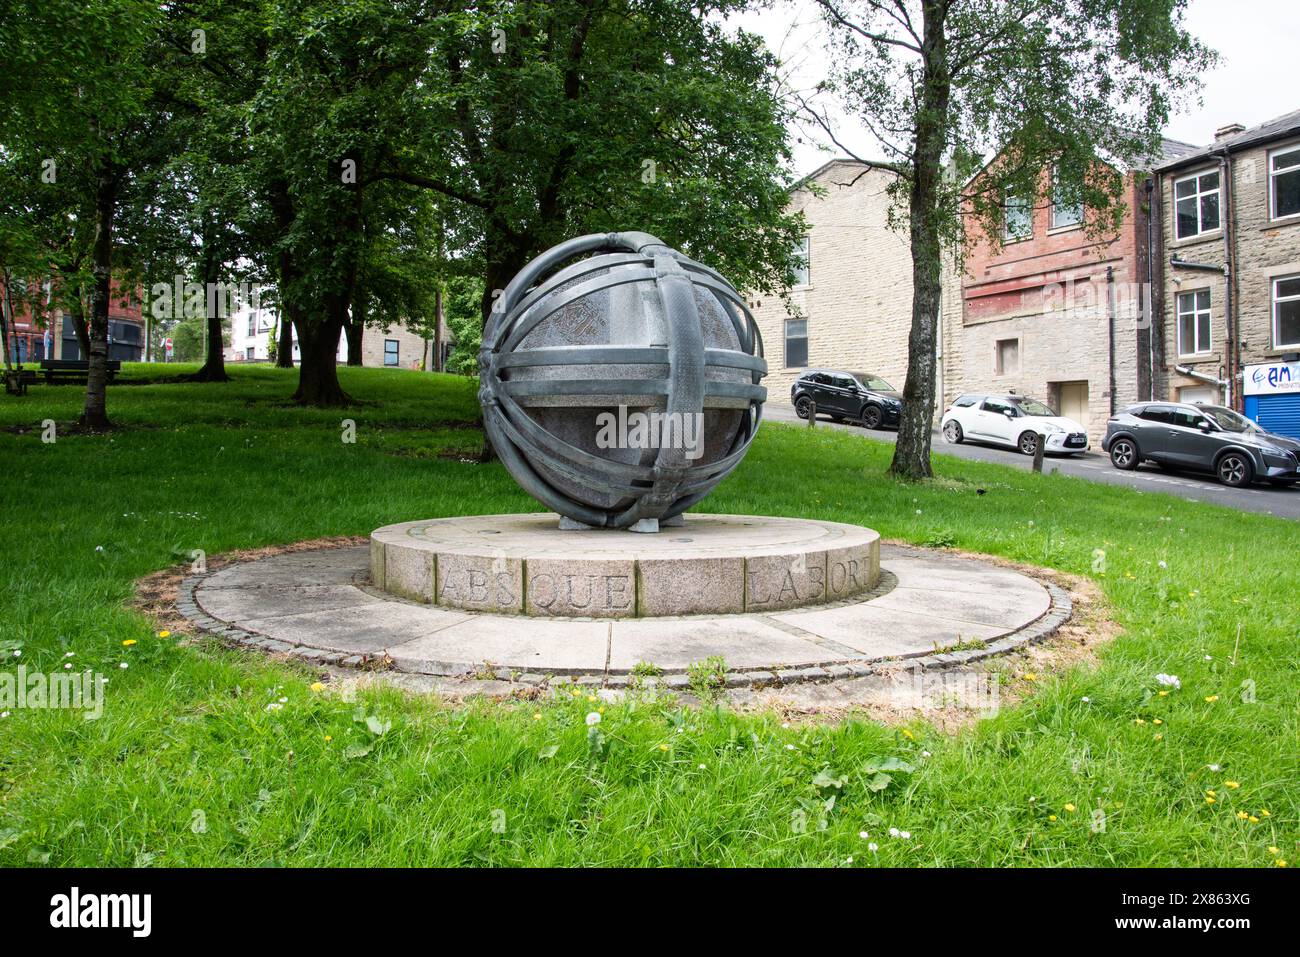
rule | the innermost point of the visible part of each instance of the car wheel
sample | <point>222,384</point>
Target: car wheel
<point>1234,470</point>
<point>952,432</point>
<point>1028,443</point>
<point>803,406</point>
<point>1124,454</point>
<point>871,417</point>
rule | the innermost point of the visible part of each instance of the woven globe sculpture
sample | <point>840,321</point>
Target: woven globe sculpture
<point>620,380</point>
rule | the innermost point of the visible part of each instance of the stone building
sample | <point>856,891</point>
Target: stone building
<point>1230,309</point>
<point>396,347</point>
<point>1052,310</point>
<point>852,310</point>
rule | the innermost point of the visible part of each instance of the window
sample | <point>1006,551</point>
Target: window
<point>1019,218</point>
<point>796,343</point>
<point>1188,419</point>
<point>390,352</point>
<point>802,262</point>
<point>1006,357</point>
<point>966,401</point>
<point>251,353</point>
<point>1196,204</point>
<point>1193,322</point>
<point>998,407</point>
<point>1159,413</point>
<point>252,324</point>
<point>1066,210</point>
<point>1286,312</point>
<point>1284,181</point>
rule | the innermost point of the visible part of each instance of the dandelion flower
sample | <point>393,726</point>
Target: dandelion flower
<point>329,737</point>
<point>1275,851</point>
<point>1252,819</point>
<point>863,834</point>
<point>1029,676</point>
<point>1157,721</point>
<point>873,847</point>
<point>1212,698</point>
<point>593,718</point>
<point>1212,793</point>
<point>1051,817</point>
<point>164,633</point>
<point>317,686</point>
<point>1160,737</point>
<point>128,643</point>
<point>663,747</point>
<point>1232,784</point>
<point>1210,800</point>
<point>1169,681</point>
<point>1242,815</point>
<point>893,832</point>
<point>1071,808</point>
<point>1139,721</point>
<point>1280,863</point>
<point>1263,812</point>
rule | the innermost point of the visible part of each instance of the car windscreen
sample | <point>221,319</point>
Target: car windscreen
<point>1033,407</point>
<point>873,382</point>
<point>1228,420</point>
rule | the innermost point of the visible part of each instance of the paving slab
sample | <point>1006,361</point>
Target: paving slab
<point>510,641</point>
<point>1008,607</point>
<point>266,601</point>
<point>886,632</point>
<point>743,641</point>
<point>363,629</point>
<point>320,567</point>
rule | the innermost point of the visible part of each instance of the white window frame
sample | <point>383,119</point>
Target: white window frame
<point>1076,209</point>
<point>785,342</point>
<point>1272,178</point>
<point>803,253</point>
<point>1195,313</point>
<point>1007,235</point>
<point>1277,324</point>
<point>1218,191</point>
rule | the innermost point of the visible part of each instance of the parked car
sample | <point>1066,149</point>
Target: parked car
<point>859,396</point>
<point>1203,438</point>
<point>1013,420</point>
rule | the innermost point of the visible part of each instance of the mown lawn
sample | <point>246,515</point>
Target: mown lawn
<point>188,766</point>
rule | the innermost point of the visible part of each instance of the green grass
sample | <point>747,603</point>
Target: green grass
<point>186,728</point>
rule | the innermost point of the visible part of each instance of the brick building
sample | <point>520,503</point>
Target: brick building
<point>1052,310</point>
<point>853,305</point>
<point>40,329</point>
<point>1230,306</point>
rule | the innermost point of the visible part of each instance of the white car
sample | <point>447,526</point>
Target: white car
<point>1012,420</point>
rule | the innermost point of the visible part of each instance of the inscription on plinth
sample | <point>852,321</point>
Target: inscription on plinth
<point>576,590</point>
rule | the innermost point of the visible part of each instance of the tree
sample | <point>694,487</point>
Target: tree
<point>540,122</point>
<point>1057,84</point>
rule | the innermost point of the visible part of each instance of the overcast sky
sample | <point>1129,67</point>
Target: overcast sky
<point>1255,81</point>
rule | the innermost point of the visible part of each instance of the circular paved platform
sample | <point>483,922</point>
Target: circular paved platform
<point>710,564</point>
<point>928,608</point>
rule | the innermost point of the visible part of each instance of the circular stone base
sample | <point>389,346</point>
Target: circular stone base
<point>708,565</point>
<point>931,609</point>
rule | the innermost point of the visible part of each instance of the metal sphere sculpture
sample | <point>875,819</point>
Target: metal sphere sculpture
<point>619,380</point>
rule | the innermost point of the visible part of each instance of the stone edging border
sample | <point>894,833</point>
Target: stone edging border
<point>1041,628</point>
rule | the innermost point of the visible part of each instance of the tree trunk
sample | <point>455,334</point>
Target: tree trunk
<point>214,365</point>
<point>912,451</point>
<point>436,362</point>
<point>95,412</point>
<point>79,323</point>
<point>318,345</point>
<point>284,348</point>
<point>354,331</point>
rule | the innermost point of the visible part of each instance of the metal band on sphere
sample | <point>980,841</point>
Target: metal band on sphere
<point>609,329</point>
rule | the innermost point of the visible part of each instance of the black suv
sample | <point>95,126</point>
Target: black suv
<point>1207,438</point>
<point>859,396</point>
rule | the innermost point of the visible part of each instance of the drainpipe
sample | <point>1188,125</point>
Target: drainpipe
<point>1231,354</point>
<point>1110,332</point>
<point>1150,296</point>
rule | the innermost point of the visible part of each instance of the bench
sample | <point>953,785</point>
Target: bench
<point>17,380</point>
<point>74,370</point>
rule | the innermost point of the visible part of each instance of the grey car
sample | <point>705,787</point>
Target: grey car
<point>1204,438</point>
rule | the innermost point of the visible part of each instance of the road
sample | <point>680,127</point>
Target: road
<point>1094,466</point>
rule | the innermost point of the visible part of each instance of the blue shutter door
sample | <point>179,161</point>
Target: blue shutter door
<point>1280,414</point>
